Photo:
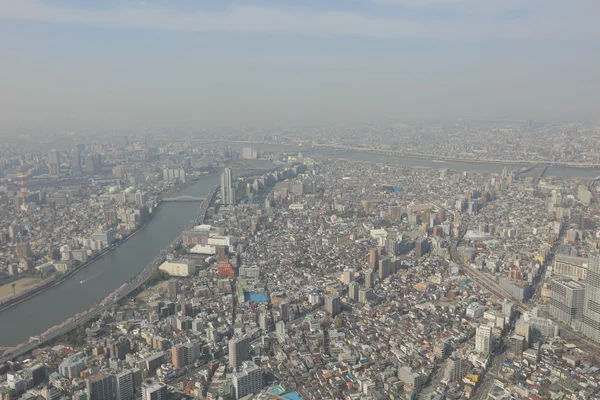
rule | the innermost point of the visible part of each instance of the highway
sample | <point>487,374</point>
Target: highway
<point>122,292</point>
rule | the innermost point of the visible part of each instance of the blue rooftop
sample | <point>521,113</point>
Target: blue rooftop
<point>256,297</point>
<point>292,396</point>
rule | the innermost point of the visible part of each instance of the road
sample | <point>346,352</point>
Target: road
<point>111,299</point>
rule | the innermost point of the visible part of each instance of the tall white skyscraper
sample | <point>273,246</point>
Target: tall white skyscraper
<point>227,190</point>
<point>280,330</point>
<point>591,305</point>
<point>483,340</point>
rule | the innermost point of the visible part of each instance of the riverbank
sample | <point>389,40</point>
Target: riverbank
<point>47,284</point>
<point>272,146</point>
<point>52,282</point>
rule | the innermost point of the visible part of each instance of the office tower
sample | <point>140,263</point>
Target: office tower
<point>369,276</point>
<point>523,328</point>
<point>124,385</point>
<point>37,373</point>
<point>93,164</point>
<point>516,345</point>
<point>54,162</point>
<point>456,369</point>
<point>154,391</point>
<point>421,247</point>
<point>263,321</point>
<point>483,340</point>
<point>154,362</point>
<point>384,268</point>
<point>24,250</point>
<point>247,381</point>
<point>76,162</point>
<point>284,308</point>
<point>280,330</point>
<point>365,295</point>
<point>373,258</point>
<point>347,276</point>
<point>333,304</point>
<point>178,356</point>
<point>591,306</point>
<point>121,347</point>
<point>227,189</point>
<point>239,351</point>
<point>566,300</point>
<point>100,386</point>
<point>353,289</point>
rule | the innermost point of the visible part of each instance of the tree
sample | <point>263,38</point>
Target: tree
<point>14,290</point>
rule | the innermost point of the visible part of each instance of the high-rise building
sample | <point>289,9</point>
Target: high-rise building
<point>456,369</point>
<point>566,300</point>
<point>353,289</point>
<point>178,356</point>
<point>154,391</point>
<point>421,247</point>
<point>591,306</point>
<point>54,162</point>
<point>365,295</point>
<point>347,276</point>
<point>93,164</point>
<point>37,373</point>
<point>101,386</point>
<point>76,162</point>
<point>516,345</point>
<point>120,347</point>
<point>385,268</point>
<point>411,378</point>
<point>227,189</point>
<point>369,276</point>
<point>247,381</point>
<point>174,175</point>
<point>284,308</point>
<point>333,304</point>
<point>483,340</point>
<point>124,385</point>
<point>239,351</point>
<point>523,328</point>
<point>373,258</point>
<point>280,330</point>
<point>154,362</point>
<point>71,366</point>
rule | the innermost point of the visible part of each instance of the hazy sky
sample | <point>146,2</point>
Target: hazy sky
<point>254,61</point>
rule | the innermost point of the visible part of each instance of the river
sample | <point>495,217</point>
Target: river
<point>565,172</point>
<point>103,276</point>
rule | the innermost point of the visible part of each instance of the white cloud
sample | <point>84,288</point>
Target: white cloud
<point>547,23</point>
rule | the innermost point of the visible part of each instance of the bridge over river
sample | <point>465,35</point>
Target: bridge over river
<point>184,199</point>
